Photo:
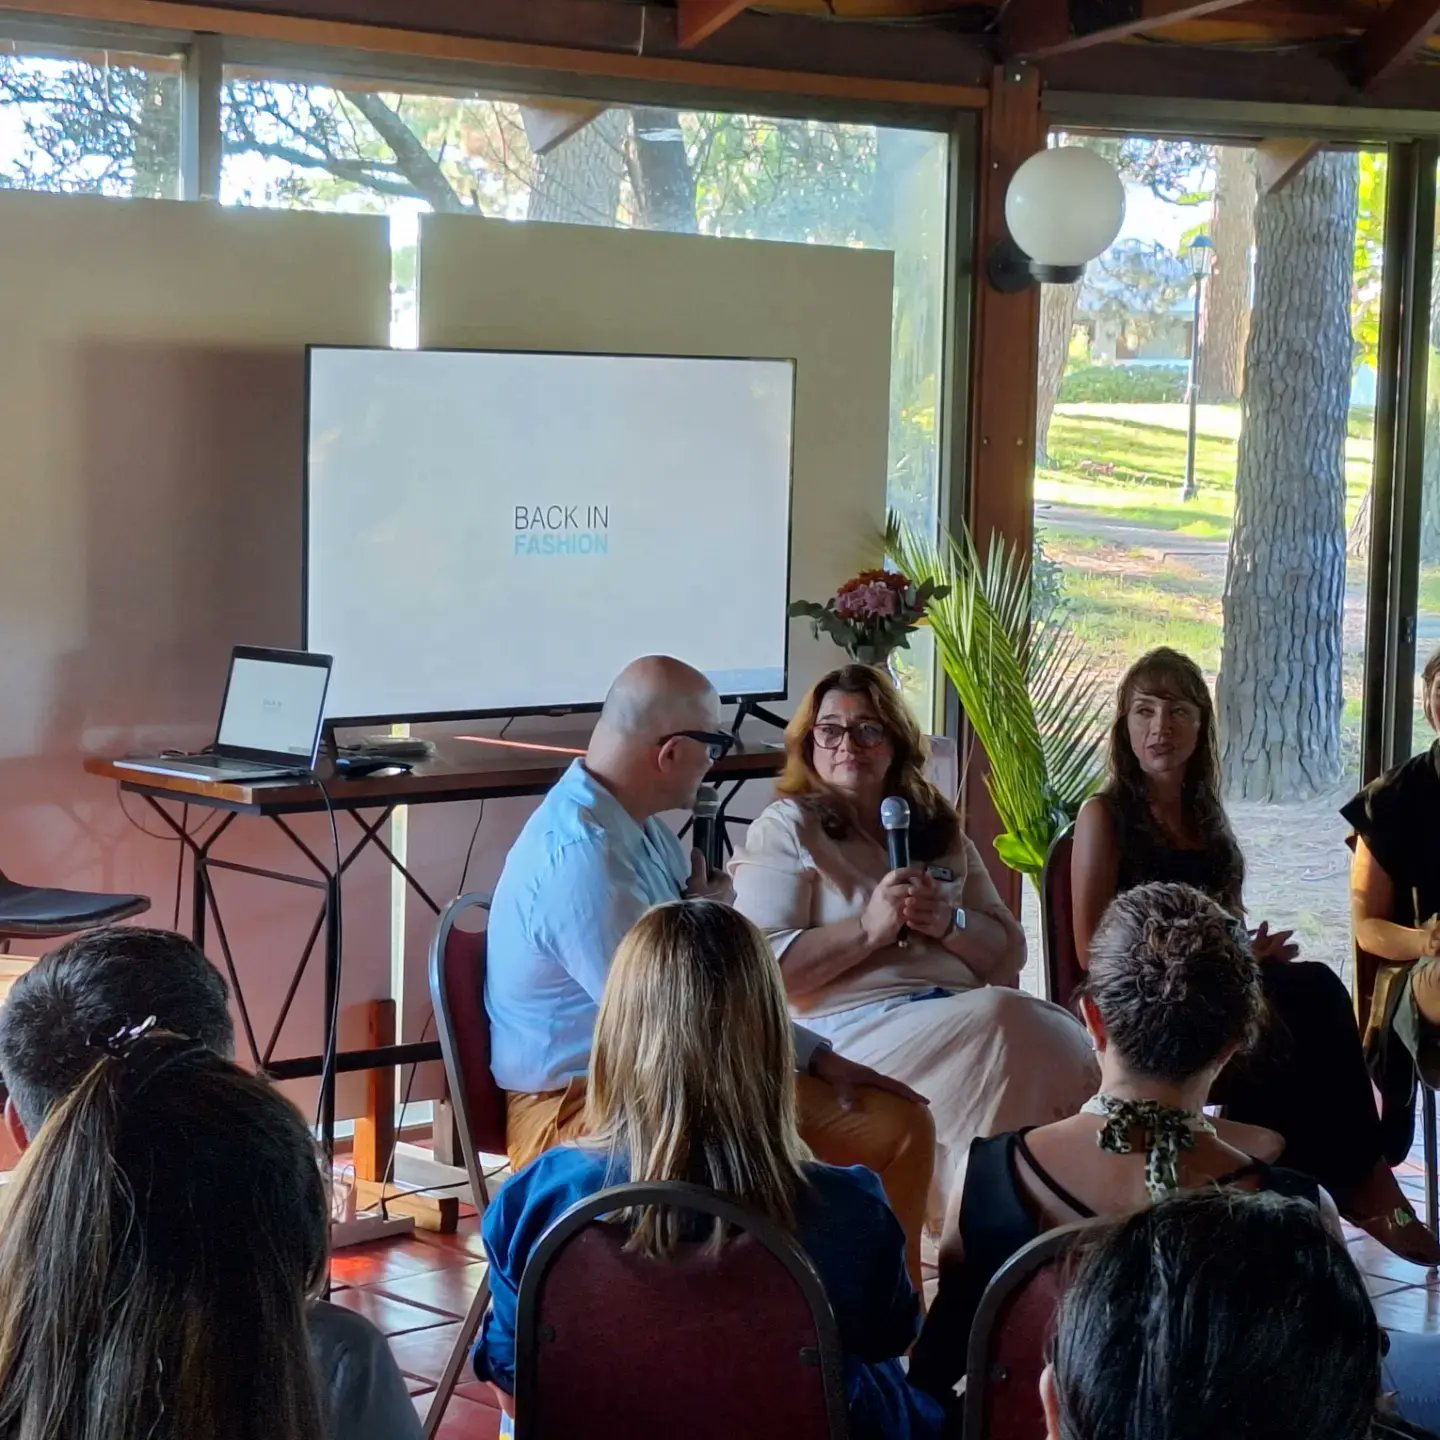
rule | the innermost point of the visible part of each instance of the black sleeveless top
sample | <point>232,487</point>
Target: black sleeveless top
<point>996,1221</point>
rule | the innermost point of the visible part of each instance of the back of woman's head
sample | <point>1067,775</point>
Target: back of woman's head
<point>1173,980</point>
<point>162,1239</point>
<point>1216,1314</point>
<point>692,1074</point>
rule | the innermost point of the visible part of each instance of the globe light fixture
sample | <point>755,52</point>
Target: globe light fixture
<point>1064,207</point>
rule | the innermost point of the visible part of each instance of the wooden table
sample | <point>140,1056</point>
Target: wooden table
<point>461,769</point>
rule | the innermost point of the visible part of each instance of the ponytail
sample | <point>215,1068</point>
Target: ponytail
<point>161,1240</point>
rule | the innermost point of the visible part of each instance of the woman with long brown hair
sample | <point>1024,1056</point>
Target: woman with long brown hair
<point>162,1240</point>
<point>910,971</point>
<point>692,1078</point>
<point>1159,817</point>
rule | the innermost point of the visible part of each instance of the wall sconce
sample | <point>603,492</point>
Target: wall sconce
<point>1064,207</point>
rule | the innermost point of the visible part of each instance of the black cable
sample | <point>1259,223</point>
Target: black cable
<point>125,811</point>
<point>332,1038</point>
<point>475,833</point>
<point>180,863</point>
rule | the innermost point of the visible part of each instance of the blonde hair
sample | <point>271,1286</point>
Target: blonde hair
<point>692,1075</point>
<point>934,824</point>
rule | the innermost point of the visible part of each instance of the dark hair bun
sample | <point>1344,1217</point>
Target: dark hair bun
<point>1174,980</point>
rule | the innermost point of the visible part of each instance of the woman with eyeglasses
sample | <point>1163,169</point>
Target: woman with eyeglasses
<point>909,971</point>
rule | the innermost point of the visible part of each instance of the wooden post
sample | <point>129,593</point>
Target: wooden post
<point>375,1129</point>
<point>1005,364</point>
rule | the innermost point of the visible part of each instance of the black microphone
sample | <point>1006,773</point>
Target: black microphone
<point>895,817</point>
<point>706,830</point>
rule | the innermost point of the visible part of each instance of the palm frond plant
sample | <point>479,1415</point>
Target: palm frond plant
<point>1023,680</point>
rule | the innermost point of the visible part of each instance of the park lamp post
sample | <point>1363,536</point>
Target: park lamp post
<point>1200,253</point>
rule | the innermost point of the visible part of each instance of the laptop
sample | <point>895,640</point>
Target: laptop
<point>271,721</point>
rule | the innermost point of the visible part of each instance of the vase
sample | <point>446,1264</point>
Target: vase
<point>875,655</point>
<point>881,657</point>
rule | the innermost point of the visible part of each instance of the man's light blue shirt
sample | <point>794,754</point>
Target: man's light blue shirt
<point>579,876</point>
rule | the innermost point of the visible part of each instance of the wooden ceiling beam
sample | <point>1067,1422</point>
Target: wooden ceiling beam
<point>1040,29</point>
<point>1395,37</point>
<point>698,20</point>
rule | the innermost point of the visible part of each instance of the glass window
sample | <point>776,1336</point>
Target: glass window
<point>1214,498</point>
<point>95,122</point>
<point>718,173</point>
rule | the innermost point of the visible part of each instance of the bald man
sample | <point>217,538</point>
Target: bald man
<point>592,859</point>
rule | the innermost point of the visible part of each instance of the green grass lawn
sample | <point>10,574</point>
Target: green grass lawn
<point>1147,446</point>
<point>1123,595</point>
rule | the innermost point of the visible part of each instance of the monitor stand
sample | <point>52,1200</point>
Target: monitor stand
<point>752,707</point>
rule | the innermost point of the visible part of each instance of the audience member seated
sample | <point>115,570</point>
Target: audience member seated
<point>910,970</point>
<point>1160,817</point>
<point>193,1298</point>
<point>689,1080</point>
<point>591,860</point>
<point>1218,1314</point>
<point>1173,994</point>
<point>1395,909</point>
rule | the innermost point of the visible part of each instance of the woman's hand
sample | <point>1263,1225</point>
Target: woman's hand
<point>884,916</point>
<point>929,909</point>
<point>1274,946</point>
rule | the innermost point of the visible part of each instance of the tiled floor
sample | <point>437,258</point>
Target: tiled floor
<point>417,1291</point>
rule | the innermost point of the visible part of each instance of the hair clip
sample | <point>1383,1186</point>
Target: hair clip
<point>124,1040</point>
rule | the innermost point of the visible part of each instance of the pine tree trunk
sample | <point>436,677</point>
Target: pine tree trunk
<point>1227,307</point>
<point>578,182</point>
<point>1058,304</point>
<point>1280,671</point>
<point>664,183</point>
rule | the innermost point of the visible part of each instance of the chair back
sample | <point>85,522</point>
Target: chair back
<point>1008,1341</point>
<point>457,991</point>
<point>1063,971</point>
<point>707,1345</point>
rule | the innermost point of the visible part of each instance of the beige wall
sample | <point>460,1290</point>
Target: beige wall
<point>151,444</point>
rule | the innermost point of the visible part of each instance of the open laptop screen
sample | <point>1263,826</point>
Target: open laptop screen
<point>274,704</point>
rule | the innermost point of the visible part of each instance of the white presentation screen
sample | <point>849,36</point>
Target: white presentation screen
<point>489,532</point>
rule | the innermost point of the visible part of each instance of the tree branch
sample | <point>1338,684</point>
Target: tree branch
<point>423,172</point>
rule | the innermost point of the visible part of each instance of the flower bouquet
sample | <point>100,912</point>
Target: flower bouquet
<point>872,615</point>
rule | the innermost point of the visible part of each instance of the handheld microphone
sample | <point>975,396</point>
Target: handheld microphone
<point>705,828</point>
<point>895,817</point>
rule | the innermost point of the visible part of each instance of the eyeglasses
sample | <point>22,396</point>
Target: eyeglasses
<point>715,741</point>
<point>864,734</point>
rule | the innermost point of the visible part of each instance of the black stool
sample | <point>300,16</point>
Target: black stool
<point>30,912</point>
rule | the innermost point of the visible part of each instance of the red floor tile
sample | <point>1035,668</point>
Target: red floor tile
<point>1415,1308</point>
<point>389,1315</point>
<point>465,1241</point>
<point>478,1391</point>
<point>465,1420</point>
<point>414,1385</point>
<point>1374,1259</point>
<point>387,1260</point>
<point>448,1291</point>
<point>424,1352</point>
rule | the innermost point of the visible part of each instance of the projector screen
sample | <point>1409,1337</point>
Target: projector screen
<point>492,532</point>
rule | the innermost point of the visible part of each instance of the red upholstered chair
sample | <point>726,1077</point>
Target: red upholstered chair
<point>1063,972</point>
<point>1008,1341</point>
<point>457,991</point>
<point>708,1346</point>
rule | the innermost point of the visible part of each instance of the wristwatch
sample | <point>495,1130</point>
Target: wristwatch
<point>957,921</point>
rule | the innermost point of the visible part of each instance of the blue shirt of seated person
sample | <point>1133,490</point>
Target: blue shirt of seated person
<point>843,1223</point>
